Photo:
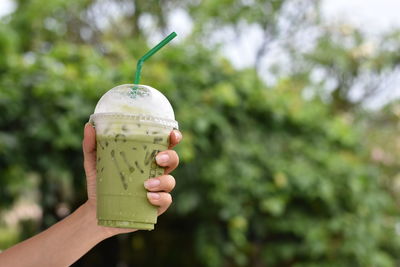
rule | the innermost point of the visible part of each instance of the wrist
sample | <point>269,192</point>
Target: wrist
<point>89,209</point>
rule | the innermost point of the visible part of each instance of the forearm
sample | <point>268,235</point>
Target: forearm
<point>60,245</point>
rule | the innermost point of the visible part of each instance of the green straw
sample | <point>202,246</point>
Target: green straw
<point>150,53</point>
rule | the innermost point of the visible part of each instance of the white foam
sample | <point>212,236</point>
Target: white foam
<point>145,100</point>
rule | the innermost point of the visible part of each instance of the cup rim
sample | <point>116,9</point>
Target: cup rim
<point>137,117</point>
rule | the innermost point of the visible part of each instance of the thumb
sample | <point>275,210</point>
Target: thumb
<point>89,150</point>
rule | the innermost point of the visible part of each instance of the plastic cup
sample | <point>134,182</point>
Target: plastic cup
<point>132,126</point>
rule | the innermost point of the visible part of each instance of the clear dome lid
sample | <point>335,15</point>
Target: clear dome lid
<point>132,99</point>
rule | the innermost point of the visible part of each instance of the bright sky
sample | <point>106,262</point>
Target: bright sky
<point>6,7</point>
<point>374,15</point>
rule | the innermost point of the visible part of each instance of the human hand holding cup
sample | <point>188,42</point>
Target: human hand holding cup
<point>133,125</point>
<point>161,185</point>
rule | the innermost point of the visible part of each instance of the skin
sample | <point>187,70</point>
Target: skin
<point>68,240</point>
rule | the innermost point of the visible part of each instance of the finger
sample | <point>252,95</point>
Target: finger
<point>175,138</point>
<point>89,150</point>
<point>165,183</point>
<point>161,199</point>
<point>168,159</point>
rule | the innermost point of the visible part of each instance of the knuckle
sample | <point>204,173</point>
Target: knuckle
<point>171,153</point>
<point>174,156</point>
<point>170,182</point>
<point>178,135</point>
<point>168,198</point>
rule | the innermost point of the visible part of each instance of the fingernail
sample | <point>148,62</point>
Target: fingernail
<point>162,158</point>
<point>151,183</point>
<point>153,195</point>
<point>88,124</point>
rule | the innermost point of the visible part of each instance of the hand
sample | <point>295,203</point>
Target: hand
<point>159,187</point>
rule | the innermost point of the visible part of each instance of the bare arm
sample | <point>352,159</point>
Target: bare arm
<point>60,245</point>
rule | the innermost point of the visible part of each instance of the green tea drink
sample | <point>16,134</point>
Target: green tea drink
<point>128,139</point>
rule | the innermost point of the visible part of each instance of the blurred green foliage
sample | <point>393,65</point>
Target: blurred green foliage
<point>268,177</point>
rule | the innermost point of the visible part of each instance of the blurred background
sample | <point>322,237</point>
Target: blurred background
<point>290,113</point>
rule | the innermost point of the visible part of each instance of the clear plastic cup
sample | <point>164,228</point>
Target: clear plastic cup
<point>132,126</point>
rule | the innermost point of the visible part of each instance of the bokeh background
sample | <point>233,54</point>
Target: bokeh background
<point>290,116</point>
